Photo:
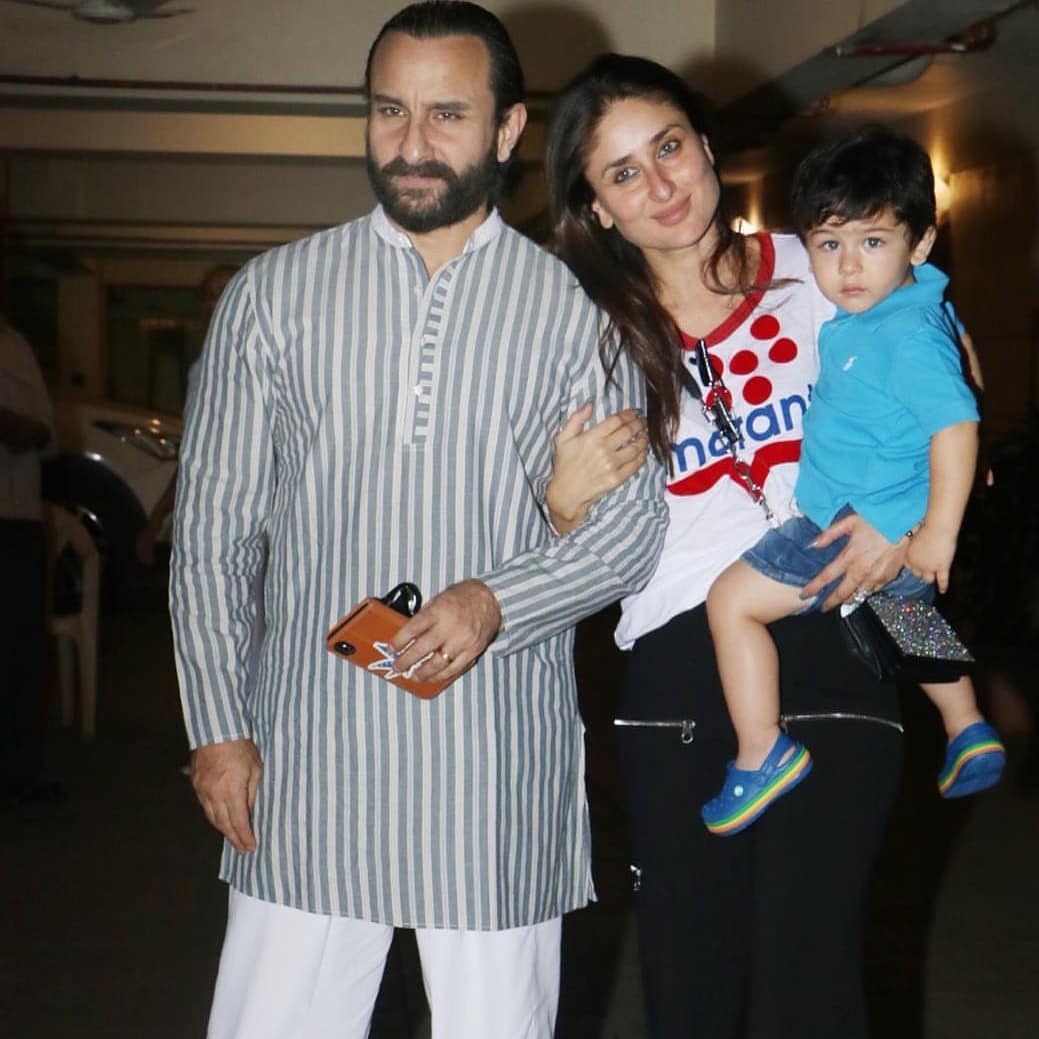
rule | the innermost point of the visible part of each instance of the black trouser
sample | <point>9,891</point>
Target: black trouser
<point>757,935</point>
<point>23,574</point>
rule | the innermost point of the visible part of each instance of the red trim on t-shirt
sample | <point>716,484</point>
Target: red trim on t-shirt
<point>766,268</point>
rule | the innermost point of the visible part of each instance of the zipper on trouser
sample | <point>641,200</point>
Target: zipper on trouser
<point>686,726</point>
<point>839,716</point>
<point>685,734</point>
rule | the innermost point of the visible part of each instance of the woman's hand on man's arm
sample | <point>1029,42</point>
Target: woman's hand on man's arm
<point>589,463</point>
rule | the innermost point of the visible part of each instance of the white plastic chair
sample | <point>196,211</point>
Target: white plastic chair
<point>75,633</point>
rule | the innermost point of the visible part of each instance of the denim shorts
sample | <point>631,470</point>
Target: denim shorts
<point>784,555</point>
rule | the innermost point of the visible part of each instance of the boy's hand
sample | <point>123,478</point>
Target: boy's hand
<point>930,555</point>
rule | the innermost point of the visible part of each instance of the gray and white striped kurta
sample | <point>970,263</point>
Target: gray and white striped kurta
<point>358,423</point>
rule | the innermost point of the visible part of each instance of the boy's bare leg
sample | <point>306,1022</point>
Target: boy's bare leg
<point>956,703</point>
<point>740,603</point>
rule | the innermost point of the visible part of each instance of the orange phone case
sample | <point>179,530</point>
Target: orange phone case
<point>362,638</point>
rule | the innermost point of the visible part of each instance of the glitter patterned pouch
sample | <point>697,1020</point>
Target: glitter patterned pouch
<point>905,638</point>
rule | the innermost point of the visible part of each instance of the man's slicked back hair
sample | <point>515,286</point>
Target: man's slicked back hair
<point>433,19</point>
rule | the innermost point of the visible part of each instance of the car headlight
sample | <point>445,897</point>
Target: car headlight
<point>156,442</point>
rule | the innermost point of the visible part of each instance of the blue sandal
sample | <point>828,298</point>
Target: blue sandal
<point>746,795</point>
<point>974,761</point>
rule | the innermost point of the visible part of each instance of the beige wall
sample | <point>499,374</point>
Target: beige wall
<point>203,165</point>
<point>80,346</point>
<point>994,288</point>
<point>990,147</point>
<point>325,42</point>
<point>757,40</point>
<point>155,190</point>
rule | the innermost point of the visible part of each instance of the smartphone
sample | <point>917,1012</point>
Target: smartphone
<point>362,637</point>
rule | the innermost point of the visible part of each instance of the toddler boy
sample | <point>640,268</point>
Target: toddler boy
<point>891,433</point>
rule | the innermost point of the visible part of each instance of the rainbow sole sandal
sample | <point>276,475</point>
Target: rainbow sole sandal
<point>747,795</point>
<point>974,761</point>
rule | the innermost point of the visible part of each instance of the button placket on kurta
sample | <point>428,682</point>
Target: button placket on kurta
<point>420,364</point>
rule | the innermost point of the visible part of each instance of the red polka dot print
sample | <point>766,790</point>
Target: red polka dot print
<point>765,327</point>
<point>782,351</point>
<point>743,362</point>
<point>757,390</point>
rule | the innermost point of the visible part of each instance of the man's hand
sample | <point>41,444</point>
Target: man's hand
<point>449,632</point>
<point>225,777</point>
<point>867,562</point>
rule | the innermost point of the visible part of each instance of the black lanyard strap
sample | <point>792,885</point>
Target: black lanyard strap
<point>716,401</point>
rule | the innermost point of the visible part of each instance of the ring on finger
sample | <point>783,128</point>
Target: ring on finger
<point>445,656</point>
<point>861,594</point>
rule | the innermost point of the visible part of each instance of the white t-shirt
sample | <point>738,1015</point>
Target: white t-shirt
<point>22,391</point>
<point>769,359</point>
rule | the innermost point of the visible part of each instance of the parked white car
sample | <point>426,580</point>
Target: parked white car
<point>112,464</point>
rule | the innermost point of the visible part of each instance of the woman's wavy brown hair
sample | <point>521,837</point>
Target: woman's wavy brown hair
<point>611,270</point>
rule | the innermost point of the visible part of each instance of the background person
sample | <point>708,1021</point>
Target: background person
<point>25,432</point>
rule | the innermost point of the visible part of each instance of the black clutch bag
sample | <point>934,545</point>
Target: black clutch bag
<point>905,638</point>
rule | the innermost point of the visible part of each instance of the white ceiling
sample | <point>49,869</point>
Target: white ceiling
<point>998,82</point>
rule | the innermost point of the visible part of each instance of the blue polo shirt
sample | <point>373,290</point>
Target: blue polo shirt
<point>889,379</point>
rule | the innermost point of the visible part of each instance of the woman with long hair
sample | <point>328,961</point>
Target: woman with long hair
<point>758,935</point>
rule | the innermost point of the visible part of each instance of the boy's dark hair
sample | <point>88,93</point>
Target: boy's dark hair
<point>855,177</point>
<point>432,19</point>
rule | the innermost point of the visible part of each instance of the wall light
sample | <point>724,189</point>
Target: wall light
<point>942,196</point>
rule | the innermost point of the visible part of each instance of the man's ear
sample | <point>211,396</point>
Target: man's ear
<point>922,249</point>
<point>509,130</point>
<point>605,220</point>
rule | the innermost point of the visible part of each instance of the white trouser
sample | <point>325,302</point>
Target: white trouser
<point>287,974</point>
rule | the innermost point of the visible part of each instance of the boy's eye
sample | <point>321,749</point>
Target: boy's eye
<point>827,245</point>
<point>874,242</point>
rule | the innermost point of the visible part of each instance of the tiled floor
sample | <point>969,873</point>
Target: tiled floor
<point>111,918</point>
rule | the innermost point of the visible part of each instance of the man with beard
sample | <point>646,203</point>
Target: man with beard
<point>379,403</point>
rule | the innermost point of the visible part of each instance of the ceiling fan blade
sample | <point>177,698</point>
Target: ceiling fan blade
<point>110,12</point>
<point>157,9</point>
<point>175,13</point>
<point>51,5</point>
